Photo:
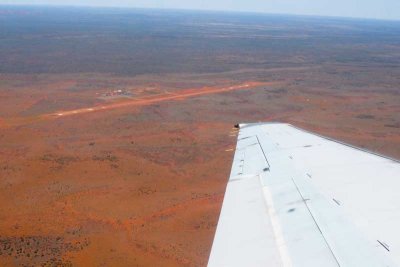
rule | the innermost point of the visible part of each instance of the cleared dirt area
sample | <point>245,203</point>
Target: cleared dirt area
<point>160,98</point>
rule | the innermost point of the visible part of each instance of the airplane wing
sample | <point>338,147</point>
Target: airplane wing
<point>298,199</point>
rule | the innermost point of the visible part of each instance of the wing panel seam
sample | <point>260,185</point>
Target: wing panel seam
<point>315,221</point>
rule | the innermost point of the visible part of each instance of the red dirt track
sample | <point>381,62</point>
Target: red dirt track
<point>160,98</point>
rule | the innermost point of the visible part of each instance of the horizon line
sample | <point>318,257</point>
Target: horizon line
<point>202,10</point>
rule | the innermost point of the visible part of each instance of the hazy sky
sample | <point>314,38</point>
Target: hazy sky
<point>383,9</point>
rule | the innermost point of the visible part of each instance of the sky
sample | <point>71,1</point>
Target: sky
<point>378,9</point>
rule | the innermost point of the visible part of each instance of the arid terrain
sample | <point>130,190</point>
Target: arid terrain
<point>116,126</point>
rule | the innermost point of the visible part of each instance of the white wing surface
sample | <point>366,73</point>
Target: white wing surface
<point>298,199</point>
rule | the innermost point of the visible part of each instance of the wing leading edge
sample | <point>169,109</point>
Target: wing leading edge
<point>297,199</point>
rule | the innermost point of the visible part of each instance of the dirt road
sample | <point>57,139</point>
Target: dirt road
<point>143,101</point>
<point>160,98</point>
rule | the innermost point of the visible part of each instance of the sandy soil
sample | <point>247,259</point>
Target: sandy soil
<point>88,178</point>
<point>140,182</point>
